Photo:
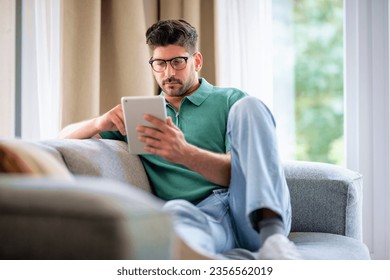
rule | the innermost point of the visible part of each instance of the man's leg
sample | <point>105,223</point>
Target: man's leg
<point>259,196</point>
<point>191,225</point>
<point>205,228</point>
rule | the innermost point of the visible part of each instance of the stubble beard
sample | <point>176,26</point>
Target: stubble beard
<point>173,90</point>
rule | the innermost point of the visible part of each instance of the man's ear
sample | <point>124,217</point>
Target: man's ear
<point>198,58</point>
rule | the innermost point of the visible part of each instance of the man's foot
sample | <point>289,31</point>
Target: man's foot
<point>279,247</point>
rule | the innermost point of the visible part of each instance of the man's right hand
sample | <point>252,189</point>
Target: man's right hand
<point>112,120</point>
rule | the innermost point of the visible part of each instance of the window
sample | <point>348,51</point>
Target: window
<point>308,71</point>
<point>289,53</point>
<point>307,38</point>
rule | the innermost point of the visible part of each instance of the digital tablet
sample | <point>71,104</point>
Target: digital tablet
<point>134,108</point>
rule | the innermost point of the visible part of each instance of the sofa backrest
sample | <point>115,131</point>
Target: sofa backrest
<point>94,157</point>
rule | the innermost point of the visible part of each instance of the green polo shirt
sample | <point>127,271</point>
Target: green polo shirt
<point>202,117</point>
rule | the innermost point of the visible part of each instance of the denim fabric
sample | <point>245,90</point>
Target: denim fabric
<point>207,225</point>
<point>222,221</point>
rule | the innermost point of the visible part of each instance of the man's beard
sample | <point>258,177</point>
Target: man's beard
<point>182,90</point>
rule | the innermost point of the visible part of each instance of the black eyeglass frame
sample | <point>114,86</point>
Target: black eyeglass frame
<point>170,62</point>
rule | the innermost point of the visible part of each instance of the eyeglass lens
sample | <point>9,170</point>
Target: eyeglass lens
<point>177,63</point>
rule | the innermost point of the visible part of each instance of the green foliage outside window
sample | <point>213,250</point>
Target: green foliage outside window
<point>319,109</point>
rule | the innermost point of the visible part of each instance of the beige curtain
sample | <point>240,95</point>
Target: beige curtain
<point>200,13</point>
<point>104,54</point>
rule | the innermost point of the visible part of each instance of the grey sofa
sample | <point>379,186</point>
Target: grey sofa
<point>106,211</point>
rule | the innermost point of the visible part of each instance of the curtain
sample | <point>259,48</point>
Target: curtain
<point>29,84</point>
<point>47,67</point>
<point>244,56</point>
<point>200,14</point>
<point>7,68</point>
<point>39,81</point>
<point>255,53</point>
<point>105,56</point>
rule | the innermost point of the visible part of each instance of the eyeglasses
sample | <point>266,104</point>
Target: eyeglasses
<point>177,63</point>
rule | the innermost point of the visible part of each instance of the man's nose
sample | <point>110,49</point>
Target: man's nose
<point>169,70</point>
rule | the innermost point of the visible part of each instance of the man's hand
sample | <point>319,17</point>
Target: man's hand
<point>112,120</point>
<point>165,139</point>
<point>168,141</point>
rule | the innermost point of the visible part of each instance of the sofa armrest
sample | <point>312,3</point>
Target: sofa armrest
<point>86,218</point>
<point>325,198</point>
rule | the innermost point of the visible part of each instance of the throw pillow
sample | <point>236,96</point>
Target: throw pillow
<point>20,157</point>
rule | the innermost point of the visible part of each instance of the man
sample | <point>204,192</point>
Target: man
<point>214,159</point>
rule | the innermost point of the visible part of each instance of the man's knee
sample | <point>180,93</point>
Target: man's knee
<point>177,206</point>
<point>187,217</point>
<point>251,107</point>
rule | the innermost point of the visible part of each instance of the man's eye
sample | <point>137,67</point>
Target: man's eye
<point>159,63</point>
<point>178,61</point>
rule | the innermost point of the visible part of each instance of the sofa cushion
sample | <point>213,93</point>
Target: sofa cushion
<point>20,157</point>
<point>316,246</point>
<point>327,246</point>
<point>87,218</point>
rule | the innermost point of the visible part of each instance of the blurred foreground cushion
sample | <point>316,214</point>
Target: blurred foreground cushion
<point>20,157</point>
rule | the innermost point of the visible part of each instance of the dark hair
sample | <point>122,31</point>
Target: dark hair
<point>172,32</point>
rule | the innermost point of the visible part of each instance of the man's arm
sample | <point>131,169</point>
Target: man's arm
<point>215,167</point>
<point>112,120</point>
<point>81,130</point>
<point>169,142</point>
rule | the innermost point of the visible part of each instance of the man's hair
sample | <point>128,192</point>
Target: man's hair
<point>172,32</point>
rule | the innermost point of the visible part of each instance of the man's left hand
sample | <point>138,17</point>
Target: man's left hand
<point>163,139</point>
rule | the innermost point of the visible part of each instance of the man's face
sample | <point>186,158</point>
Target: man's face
<point>175,82</point>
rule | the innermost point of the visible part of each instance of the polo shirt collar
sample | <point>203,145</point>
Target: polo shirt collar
<point>201,94</point>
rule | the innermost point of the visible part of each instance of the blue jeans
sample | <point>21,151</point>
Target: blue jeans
<point>223,220</point>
